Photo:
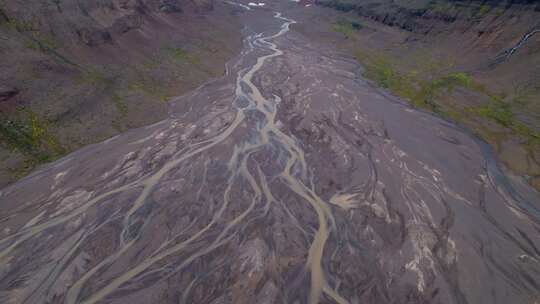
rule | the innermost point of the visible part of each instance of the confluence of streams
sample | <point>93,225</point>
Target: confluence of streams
<point>237,166</point>
<point>342,196</point>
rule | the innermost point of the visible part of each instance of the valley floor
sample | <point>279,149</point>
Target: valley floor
<point>291,179</point>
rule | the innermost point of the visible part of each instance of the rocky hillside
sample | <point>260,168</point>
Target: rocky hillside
<point>474,62</point>
<point>422,15</point>
<point>74,72</point>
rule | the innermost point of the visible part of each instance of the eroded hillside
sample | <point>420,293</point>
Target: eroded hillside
<point>474,62</point>
<point>77,72</point>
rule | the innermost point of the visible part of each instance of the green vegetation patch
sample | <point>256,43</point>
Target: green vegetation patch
<point>442,7</point>
<point>181,55</point>
<point>20,25</point>
<point>501,113</point>
<point>497,111</point>
<point>406,85</point>
<point>423,94</point>
<point>346,27</point>
<point>29,135</point>
<point>42,43</point>
<point>95,77</point>
<point>150,87</point>
<point>483,9</point>
<point>120,104</point>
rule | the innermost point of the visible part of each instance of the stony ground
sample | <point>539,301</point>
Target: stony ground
<point>289,180</point>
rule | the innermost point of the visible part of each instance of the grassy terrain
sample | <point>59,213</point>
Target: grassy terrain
<point>80,81</point>
<point>424,93</point>
<point>444,56</point>
<point>29,135</point>
<point>346,27</point>
<point>432,93</point>
<point>420,92</point>
<point>181,55</point>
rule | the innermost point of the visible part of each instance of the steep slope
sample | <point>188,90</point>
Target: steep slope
<point>77,72</point>
<point>475,62</point>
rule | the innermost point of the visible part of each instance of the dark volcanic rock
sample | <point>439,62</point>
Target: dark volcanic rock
<point>419,19</point>
<point>170,6</point>
<point>3,16</point>
<point>127,23</point>
<point>94,37</point>
<point>7,92</point>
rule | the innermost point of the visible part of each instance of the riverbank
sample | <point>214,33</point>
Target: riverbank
<point>291,179</point>
<point>453,69</point>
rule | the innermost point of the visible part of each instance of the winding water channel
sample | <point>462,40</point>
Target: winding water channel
<point>288,180</point>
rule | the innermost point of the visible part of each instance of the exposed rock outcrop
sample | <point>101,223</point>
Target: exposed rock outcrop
<point>7,92</point>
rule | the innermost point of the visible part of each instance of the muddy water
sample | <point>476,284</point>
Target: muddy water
<point>288,180</point>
